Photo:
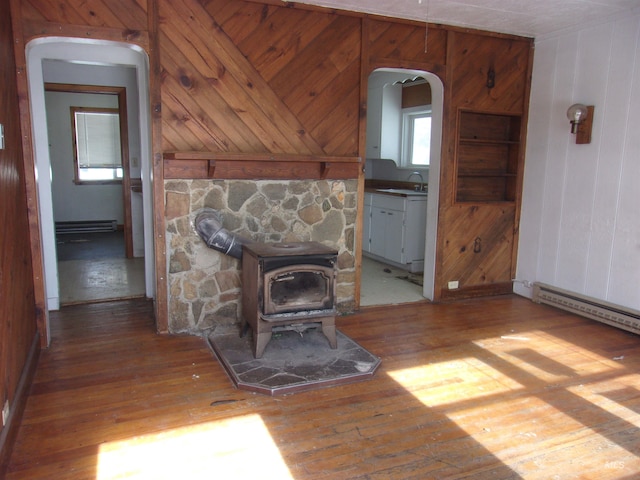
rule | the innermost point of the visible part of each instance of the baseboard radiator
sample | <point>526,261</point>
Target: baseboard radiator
<point>87,226</point>
<point>605,312</point>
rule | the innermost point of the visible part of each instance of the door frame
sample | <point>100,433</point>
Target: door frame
<point>435,159</point>
<point>94,52</point>
<point>121,93</point>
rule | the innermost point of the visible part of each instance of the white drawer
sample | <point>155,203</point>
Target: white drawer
<point>391,202</point>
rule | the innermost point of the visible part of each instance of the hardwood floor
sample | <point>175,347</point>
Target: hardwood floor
<point>488,388</point>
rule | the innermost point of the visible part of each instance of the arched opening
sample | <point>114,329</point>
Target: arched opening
<point>76,54</point>
<point>396,169</point>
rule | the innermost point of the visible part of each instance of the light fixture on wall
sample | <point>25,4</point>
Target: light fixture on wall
<point>581,118</point>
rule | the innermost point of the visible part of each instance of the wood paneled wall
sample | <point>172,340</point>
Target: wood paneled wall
<point>118,14</point>
<point>246,77</point>
<point>477,241</point>
<point>17,305</point>
<point>261,77</point>
<point>463,60</point>
<point>405,45</point>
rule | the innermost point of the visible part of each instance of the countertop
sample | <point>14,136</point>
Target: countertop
<point>398,192</point>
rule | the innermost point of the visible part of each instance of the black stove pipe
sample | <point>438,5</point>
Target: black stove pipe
<point>209,226</point>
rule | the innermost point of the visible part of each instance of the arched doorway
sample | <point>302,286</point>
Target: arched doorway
<point>85,52</point>
<point>393,75</point>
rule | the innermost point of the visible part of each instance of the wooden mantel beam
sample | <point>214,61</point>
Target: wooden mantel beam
<point>258,166</point>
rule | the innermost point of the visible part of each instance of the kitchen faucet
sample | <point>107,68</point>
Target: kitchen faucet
<point>419,188</point>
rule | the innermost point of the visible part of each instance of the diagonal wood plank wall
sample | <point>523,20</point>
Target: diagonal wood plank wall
<point>267,77</point>
<point>259,82</point>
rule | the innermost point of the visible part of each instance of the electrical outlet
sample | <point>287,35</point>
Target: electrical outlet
<point>453,284</point>
<point>5,413</point>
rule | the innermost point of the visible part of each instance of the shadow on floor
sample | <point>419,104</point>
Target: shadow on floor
<point>90,246</point>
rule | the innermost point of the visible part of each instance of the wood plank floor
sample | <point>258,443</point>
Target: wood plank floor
<point>488,388</point>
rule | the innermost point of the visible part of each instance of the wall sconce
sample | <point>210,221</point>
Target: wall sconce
<point>581,118</point>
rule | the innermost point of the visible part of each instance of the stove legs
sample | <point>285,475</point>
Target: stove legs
<point>260,341</point>
<point>262,333</point>
<point>329,330</point>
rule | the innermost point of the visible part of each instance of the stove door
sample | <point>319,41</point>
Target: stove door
<point>299,288</point>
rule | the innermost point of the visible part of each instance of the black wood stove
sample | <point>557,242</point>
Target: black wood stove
<point>288,286</point>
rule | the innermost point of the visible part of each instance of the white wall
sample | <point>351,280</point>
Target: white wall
<point>73,202</point>
<point>580,224</point>
<point>81,202</point>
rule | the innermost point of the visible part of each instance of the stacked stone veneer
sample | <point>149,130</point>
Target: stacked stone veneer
<point>205,285</point>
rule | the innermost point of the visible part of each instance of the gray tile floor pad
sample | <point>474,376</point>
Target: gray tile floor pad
<point>292,362</point>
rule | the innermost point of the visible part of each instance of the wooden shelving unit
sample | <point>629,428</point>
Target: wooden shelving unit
<point>488,149</point>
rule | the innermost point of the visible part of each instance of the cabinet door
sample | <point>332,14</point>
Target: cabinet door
<point>366,223</point>
<point>394,236</point>
<point>378,220</point>
<point>387,233</point>
<point>384,122</point>
<point>374,121</point>
<point>415,230</point>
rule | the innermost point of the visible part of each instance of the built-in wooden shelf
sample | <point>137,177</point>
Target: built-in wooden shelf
<point>258,166</point>
<point>487,159</point>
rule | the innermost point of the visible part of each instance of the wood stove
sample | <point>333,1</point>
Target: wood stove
<point>289,286</point>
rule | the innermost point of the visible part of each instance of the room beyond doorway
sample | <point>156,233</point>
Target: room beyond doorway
<point>388,285</point>
<point>92,268</point>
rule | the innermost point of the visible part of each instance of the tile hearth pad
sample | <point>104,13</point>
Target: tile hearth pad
<point>292,362</point>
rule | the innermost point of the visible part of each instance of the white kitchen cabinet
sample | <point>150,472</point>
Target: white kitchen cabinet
<point>395,226</point>
<point>384,121</point>
<point>387,229</point>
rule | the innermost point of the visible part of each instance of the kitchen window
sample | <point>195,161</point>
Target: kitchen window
<point>96,145</point>
<point>416,136</point>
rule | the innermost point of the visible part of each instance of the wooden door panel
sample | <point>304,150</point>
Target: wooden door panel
<point>478,245</point>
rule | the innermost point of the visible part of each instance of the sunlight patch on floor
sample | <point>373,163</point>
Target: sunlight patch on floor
<point>238,448</point>
<point>521,351</point>
<point>470,391</point>
<point>439,384</point>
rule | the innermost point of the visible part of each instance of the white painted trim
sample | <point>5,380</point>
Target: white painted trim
<point>431,233</point>
<point>90,52</point>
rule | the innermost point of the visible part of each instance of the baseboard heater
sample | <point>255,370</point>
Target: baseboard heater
<point>605,312</point>
<point>86,226</point>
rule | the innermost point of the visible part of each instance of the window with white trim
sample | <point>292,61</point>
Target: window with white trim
<point>416,136</point>
<point>96,144</point>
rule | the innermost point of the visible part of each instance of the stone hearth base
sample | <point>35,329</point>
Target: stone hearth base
<point>292,362</point>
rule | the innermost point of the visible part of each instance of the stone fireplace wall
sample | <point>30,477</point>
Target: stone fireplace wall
<point>204,284</point>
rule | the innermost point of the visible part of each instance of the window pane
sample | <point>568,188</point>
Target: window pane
<point>421,147</point>
<point>99,174</point>
<point>98,139</point>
